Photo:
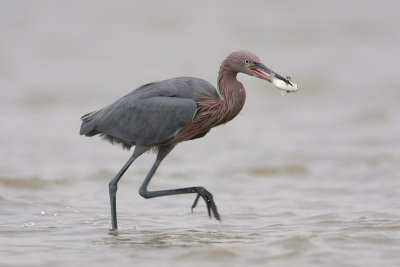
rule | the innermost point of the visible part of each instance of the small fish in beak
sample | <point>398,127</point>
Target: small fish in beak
<point>280,82</point>
<point>283,84</point>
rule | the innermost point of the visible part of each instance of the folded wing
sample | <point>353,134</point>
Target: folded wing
<point>134,120</point>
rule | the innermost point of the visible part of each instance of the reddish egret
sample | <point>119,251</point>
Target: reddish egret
<point>162,114</point>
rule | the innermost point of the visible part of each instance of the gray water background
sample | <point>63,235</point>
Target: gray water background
<point>305,179</point>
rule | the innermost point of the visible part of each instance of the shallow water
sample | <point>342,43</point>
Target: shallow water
<point>305,179</point>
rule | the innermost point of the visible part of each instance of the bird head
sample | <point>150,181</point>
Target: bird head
<point>248,63</point>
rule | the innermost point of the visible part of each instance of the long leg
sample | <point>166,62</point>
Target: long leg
<point>201,191</point>
<point>113,185</point>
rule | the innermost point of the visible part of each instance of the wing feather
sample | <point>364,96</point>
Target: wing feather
<point>146,122</point>
<point>152,114</point>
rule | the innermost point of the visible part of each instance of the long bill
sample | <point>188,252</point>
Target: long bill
<point>280,82</point>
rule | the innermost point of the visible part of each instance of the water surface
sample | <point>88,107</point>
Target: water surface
<point>305,179</point>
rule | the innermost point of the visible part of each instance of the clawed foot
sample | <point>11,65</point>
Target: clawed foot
<point>208,198</point>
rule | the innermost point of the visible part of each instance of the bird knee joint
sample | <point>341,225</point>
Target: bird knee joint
<point>112,187</point>
<point>144,193</point>
<point>201,190</point>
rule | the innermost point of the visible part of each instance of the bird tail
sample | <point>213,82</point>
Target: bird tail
<point>88,127</point>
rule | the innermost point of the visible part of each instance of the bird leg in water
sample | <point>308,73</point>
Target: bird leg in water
<point>208,198</point>
<point>113,185</point>
<point>201,191</point>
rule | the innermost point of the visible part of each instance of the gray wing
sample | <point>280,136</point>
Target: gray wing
<point>145,122</point>
<point>152,114</point>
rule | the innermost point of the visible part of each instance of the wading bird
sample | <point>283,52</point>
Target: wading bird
<point>160,115</point>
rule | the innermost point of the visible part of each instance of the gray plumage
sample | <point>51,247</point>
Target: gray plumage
<point>162,114</point>
<point>150,115</point>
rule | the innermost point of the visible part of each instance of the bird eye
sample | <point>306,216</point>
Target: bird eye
<point>246,61</point>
